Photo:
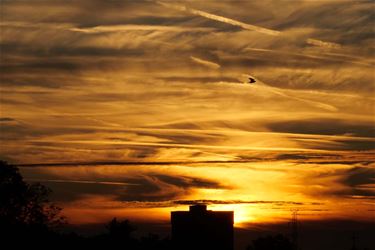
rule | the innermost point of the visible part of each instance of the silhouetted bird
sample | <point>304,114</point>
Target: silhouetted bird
<point>251,80</point>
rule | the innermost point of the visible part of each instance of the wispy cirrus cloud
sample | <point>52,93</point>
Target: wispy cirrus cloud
<point>156,95</point>
<point>243,25</point>
<point>221,19</point>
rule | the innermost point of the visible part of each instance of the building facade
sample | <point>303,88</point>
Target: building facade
<point>200,228</point>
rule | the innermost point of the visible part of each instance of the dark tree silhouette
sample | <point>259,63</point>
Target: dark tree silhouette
<point>26,215</point>
<point>277,242</point>
<point>23,204</point>
<point>120,229</point>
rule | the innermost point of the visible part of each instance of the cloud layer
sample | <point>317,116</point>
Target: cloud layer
<point>160,88</point>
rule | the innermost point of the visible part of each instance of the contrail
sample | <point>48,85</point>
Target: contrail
<point>84,182</point>
<point>206,63</point>
<point>221,19</point>
<point>282,92</point>
<point>336,57</point>
<point>243,25</point>
<point>129,27</point>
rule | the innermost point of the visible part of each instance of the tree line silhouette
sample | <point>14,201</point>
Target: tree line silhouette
<point>28,217</point>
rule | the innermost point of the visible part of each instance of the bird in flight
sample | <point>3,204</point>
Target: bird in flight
<point>251,80</point>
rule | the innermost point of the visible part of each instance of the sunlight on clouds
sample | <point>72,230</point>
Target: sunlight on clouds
<point>147,104</point>
<point>258,192</point>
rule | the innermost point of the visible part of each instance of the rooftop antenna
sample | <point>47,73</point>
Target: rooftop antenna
<point>354,238</point>
<point>294,228</point>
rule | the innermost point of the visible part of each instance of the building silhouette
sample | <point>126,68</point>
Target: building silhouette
<point>200,229</point>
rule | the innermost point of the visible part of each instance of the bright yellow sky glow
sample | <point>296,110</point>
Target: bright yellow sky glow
<point>143,107</point>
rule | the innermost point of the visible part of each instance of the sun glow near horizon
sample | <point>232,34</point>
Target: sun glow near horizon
<point>144,108</point>
<point>257,193</point>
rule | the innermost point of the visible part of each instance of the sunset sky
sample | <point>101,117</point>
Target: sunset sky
<point>138,108</point>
